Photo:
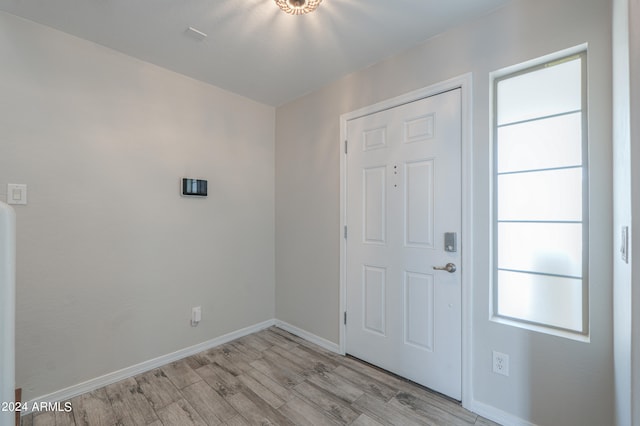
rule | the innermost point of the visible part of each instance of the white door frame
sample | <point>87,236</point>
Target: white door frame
<point>463,82</point>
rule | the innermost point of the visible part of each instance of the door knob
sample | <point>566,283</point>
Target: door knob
<point>449,267</point>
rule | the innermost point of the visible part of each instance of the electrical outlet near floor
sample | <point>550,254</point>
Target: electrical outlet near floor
<point>500,363</point>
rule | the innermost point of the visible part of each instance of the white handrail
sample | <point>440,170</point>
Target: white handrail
<point>7,312</point>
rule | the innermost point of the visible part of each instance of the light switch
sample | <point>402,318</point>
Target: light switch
<point>16,193</point>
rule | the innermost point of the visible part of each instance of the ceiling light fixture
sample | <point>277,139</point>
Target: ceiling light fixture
<point>298,7</point>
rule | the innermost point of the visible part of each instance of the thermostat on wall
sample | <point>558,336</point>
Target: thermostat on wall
<point>196,187</point>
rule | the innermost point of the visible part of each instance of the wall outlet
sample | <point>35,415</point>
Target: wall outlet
<point>500,363</point>
<point>196,316</point>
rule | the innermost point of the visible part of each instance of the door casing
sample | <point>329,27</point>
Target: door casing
<point>463,82</point>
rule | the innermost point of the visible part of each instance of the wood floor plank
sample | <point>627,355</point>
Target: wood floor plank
<point>404,385</point>
<point>368,384</point>
<point>237,421</point>
<point>365,420</point>
<point>255,341</point>
<point>208,403</point>
<point>207,356</point>
<point>247,409</point>
<point>129,404</point>
<point>387,414</point>
<point>329,403</point>
<point>180,373</point>
<point>432,416</point>
<point>280,333</point>
<point>280,391</point>
<point>65,418</point>
<point>307,364</point>
<point>335,384</point>
<point>238,349</point>
<point>284,363</point>
<point>277,339</point>
<point>262,391</point>
<point>378,374</point>
<point>282,375</point>
<point>311,349</point>
<point>286,334</point>
<point>198,360</point>
<point>219,379</point>
<point>369,370</point>
<point>438,411</point>
<point>230,359</point>
<point>444,403</point>
<point>180,413</point>
<point>271,413</point>
<point>327,363</point>
<point>44,418</point>
<point>302,413</point>
<point>320,350</point>
<point>248,351</point>
<point>93,409</point>
<point>159,390</point>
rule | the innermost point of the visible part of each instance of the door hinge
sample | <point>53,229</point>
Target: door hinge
<point>345,232</point>
<point>346,146</point>
<point>345,317</point>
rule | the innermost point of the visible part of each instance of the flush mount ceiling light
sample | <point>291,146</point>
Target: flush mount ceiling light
<point>298,7</point>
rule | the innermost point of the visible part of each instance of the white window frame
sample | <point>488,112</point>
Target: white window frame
<point>495,78</point>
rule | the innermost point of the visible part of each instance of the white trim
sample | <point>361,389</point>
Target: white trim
<point>492,413</point>
<point>464,82</point>
<point>116,376</point>
<point>7,309</point>
<point>530,65</point>
<point>310,337</point>
<point>537,61</point>
<point>468,286</point>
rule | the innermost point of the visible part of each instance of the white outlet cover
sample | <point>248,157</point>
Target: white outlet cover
<point>16,193</point>
<point>501,363</point>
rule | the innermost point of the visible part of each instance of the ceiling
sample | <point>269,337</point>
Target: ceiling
<point>252,48</point>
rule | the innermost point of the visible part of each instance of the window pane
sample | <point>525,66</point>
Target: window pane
<point>541,144</point>
<point>551,195</point>
<point>541,299</point>
<point>540,200</point>
<point>550,248</point>
<point>548,91</point>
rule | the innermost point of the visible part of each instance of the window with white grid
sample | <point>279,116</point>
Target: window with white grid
<point>540,214</point>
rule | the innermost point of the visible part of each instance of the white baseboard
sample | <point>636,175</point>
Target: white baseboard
<point>320,341</point>
<point>116,376</point>
<point>495,414</point>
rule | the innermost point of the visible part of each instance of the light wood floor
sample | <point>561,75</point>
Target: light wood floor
<point>267,378</point>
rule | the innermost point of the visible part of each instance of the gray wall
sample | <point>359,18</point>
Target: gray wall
<point>553,381</point>
<point>110,258</point>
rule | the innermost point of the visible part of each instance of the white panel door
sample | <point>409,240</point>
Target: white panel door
<point>403,195</point>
